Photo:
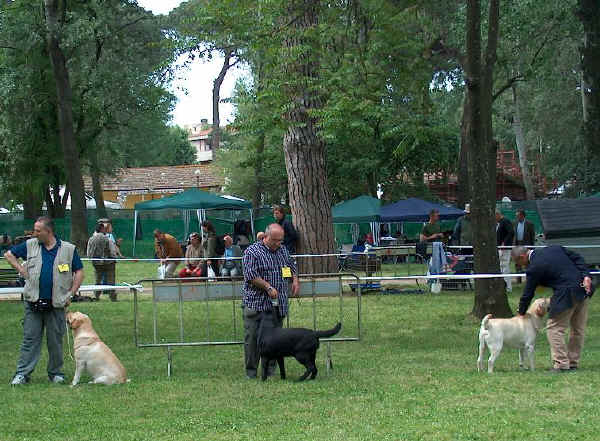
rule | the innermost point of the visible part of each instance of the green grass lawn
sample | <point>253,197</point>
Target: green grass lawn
<point>412,377</point>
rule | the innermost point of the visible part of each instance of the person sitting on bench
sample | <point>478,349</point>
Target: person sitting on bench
<point>231,267</point>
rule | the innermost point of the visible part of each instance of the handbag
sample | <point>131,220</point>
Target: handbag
<point>210,273</point>
<point>161,271</point>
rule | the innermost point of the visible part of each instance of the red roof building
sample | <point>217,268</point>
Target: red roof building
<point>132,185</point>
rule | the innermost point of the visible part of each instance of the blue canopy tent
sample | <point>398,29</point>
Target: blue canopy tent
<point>416,210</point>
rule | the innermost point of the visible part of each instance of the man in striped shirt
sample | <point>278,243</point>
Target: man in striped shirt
<point>268,268</point>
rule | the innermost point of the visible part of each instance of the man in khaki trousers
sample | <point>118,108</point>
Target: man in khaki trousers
<point>567,274</point>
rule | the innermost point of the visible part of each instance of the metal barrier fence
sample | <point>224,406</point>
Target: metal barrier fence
<point>193,311</point>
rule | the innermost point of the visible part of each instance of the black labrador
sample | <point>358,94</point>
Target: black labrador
<point>276,343</point>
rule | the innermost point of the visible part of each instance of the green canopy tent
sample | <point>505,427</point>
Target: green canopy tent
<point>363,209</point>
<point>189,200</point>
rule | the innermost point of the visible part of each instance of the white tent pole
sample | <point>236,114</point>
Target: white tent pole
<point>375,232</point>
<point>355,233</point>
<point>134,230</point>
<point>186,223</point>
<point>252,223</point>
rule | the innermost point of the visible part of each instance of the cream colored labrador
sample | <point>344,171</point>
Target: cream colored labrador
<point>92,354</point>
<point>516,332</point>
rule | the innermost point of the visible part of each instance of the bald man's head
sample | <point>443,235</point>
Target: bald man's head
<point>273,237</point>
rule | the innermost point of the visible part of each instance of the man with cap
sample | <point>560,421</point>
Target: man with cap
<point>99,249</point>
<point>108,231</point>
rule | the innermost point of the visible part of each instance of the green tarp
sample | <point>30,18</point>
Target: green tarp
<point>193,199</point>
<point>357,210</point>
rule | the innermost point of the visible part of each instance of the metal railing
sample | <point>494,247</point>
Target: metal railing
<point>184,292</point>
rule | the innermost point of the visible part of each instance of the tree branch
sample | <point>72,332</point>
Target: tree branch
<point>126,25</point>
<point>507,85</point>
<point>438,48</point>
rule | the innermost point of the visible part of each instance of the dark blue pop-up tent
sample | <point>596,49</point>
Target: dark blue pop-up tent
<point>416,210</point>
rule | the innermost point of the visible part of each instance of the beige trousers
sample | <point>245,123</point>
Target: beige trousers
<point>565,356</point>
<point>504,257</point>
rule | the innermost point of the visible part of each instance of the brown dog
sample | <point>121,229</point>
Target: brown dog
<point>92,354</point>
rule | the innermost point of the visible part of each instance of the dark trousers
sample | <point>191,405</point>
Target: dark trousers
<point>105,275</point>
<point>252,320</point>
<point>33,332</point>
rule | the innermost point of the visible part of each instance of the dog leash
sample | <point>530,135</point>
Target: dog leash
<point>68,338</point>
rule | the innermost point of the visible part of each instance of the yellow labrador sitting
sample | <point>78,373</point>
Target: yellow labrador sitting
<point>515,332</point>
<point>92,354</point>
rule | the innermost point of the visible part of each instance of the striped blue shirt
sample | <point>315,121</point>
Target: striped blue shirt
<point>260,262</point>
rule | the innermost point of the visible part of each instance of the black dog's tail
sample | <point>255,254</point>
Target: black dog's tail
<point>330,332</point>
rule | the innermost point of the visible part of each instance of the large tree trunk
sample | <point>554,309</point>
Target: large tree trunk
<point>490,296</point>
<point>97,185</point>
<point>588,12</point>
<point>216,97</point>
<point>32,201</point>
<point>521,147</point>
<point>65,116</point>
<point>304,149</point>
<point>463,189</point>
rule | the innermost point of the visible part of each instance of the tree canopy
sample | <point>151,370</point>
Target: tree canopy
<point>119,60</point>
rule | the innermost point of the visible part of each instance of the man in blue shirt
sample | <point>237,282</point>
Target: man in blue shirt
<point>53,272</point>
<point>231,267</point>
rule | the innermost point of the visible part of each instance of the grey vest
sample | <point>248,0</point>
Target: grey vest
<point>62,278</point>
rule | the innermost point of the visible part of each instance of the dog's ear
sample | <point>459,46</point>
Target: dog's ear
<point>76,321</point>
<point>540,311</point>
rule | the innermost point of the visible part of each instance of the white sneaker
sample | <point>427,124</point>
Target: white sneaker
<point>58,379</point>
<point>19,379</point>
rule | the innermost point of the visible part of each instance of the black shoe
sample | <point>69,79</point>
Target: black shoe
<point>558,371</point>
<point>573,369</point>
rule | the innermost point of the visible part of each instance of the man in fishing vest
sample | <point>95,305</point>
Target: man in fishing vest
<point>53,273</point>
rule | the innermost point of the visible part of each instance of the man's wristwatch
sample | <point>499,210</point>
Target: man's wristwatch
<point>269,288</point>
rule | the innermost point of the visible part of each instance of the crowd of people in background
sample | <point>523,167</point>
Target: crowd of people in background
<point>207,254</point>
